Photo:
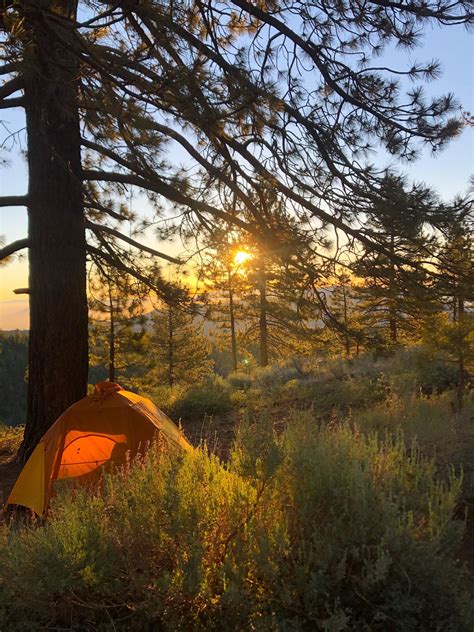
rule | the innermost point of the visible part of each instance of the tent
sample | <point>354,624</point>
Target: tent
<point>104,428</point>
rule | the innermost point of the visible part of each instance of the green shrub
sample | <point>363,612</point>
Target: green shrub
<point>434,376</point>
<point>309,530</point>
<point>267,377</point>
<point>431,421</point>
<point>342,396</point>
<point>271,376</point>
<point>241,381</point>
<point>212,397</point>
<point>165,397</point>
<point>10,440</point>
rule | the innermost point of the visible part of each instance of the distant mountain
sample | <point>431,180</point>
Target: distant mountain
<point>13,332</point>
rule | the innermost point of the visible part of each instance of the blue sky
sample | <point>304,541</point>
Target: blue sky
<point>448,171</point>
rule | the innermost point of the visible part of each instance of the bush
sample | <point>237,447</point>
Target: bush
<point>413,370</point>
<point>343,396</point>
<point>309,530</point>
<point>271,376</point>
<point>431,421</point>
<point>241,381</point>
<point>212,397</point>
<point>165,397</point>
<point>433,376</point>
<point>10,440</point>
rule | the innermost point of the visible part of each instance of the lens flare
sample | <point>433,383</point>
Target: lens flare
<point>241,257</point>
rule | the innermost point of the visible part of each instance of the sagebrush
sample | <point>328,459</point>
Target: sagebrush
<point>312,529</point>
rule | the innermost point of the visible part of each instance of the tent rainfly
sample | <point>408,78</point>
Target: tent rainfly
<point>102,429</point>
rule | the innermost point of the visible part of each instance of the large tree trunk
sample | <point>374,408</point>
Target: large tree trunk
<point>58,347</point>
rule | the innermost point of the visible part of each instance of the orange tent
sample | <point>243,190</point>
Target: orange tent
<point>98,430</point>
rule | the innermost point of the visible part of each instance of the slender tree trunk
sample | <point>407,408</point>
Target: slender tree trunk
<point>263,322</point>
<point>170,348</point>
<point>461,367</point>
<point>393,330</point>
<point>111,338</point>
<point>392,320</point>
<point>346,332</point>
<point>461,382</point>
<point>58,345</point>
<point>455,309</point>
<point>232,324</point>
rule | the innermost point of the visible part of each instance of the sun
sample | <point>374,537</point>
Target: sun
<point>241,257</point>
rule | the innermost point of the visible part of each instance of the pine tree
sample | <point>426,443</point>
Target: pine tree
<point>117,339</point>
<point>223,274</point>
<point>179,350</point>
<point>395,295</point>
<point>455,285</point>
<point>344,312</point>
<point>105,87</point>
<point>454,339</point>
<point>281,266</point>
<point>451,330</point>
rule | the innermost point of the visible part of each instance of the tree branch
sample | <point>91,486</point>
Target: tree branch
<point>111,231</point>
<point>17,102</point>
<point>10,87</point>
<point>192,151</point>
<point>96,206</point>
<point>9,67</point>
<point>167,191</point>
<point>13,247</point>
<point>116,263</point>
<point>423,10</point>
<point>14,200</point>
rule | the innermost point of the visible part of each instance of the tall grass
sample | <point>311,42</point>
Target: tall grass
<point>310,529</point>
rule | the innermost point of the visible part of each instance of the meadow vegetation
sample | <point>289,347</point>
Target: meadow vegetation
<point>312,528</point>
<point>331,510</point>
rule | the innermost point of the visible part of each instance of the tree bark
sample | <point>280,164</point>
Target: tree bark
<point>393,330</point>
<point>232,324</point>
<point>392,295</point>
<point>461,382</point>
<point>347,343</point>
<point>111,338</point>
<point>461,365</point>
<point>170,347</point>
<point>263,323</point>
<point>58,343</point>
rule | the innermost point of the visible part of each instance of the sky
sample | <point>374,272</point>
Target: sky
<point>448,172</point>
